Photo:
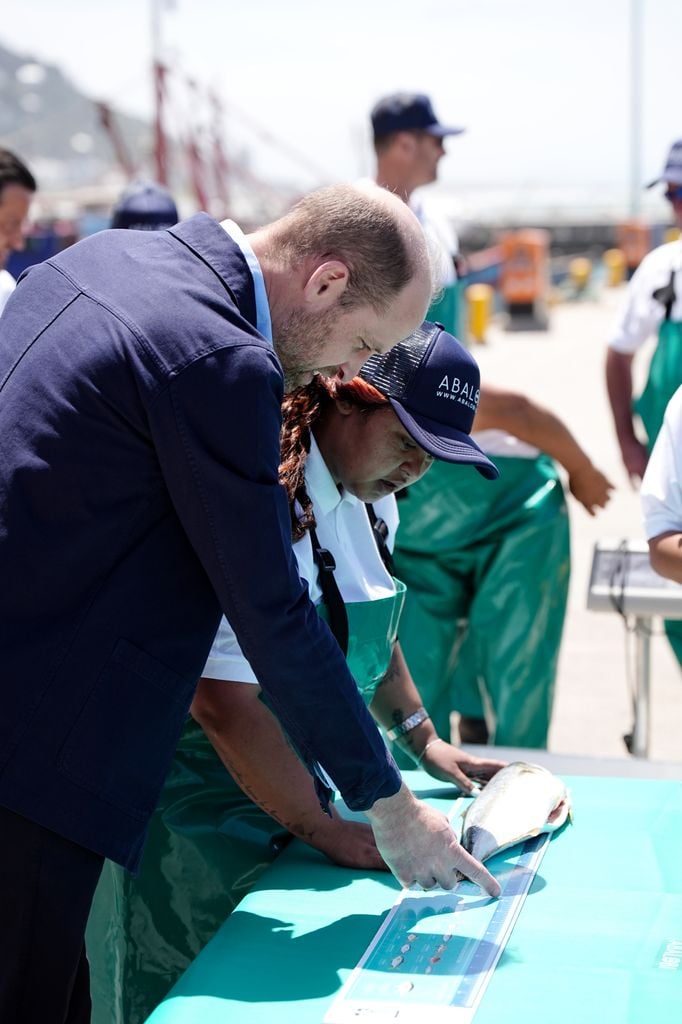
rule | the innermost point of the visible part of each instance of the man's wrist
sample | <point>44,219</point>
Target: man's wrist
<point>392,807</point>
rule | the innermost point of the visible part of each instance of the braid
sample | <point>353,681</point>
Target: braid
<point>300,409</point>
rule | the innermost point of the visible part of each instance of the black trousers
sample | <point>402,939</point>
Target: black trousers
<point>46,888</point>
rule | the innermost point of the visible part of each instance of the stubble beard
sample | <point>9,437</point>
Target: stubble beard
<point>300,342</point>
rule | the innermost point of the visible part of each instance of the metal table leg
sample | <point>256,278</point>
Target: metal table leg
<point>641,729</point>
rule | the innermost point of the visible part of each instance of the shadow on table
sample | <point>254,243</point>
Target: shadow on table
<point>258,959</point>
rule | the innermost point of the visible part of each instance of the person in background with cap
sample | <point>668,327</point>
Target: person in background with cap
<point>409,145</point>
<point>145,206</point>
<point>347,447</point>
<point>486,568</point>
<point>653,304</point>
<point>17,188</point>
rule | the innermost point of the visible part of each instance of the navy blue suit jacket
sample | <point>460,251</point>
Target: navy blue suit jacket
<point>139,496</point>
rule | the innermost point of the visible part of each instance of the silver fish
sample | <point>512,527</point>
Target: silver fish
<point>519,802</point>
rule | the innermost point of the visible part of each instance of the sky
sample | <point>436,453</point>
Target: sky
<point>543,87</point>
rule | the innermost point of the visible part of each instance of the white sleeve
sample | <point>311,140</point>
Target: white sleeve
<point>661,492</point>
<point>642,313</point>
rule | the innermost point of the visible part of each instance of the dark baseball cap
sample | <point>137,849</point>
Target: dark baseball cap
<point>145,206</point>
<point>433,385</point>
<point>408,112</point>
<point>672,171</point>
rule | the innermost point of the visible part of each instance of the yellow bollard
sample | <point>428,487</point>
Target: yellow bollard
<point>479,299</point>
<point>671,235</point>
<point>614,260</point>
<point>579,271</point>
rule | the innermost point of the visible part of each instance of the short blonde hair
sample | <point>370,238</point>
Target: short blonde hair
<point>347,223</point>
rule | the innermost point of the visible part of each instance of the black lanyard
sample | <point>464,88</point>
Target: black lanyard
<point>326,564</point>
<point>380,531</point>
<point>666,295</point>
<point>331,595</point>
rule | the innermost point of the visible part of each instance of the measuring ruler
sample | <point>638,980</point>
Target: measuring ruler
<point>436,951</point>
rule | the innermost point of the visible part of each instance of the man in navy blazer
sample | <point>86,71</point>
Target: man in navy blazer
<point>139,448</point>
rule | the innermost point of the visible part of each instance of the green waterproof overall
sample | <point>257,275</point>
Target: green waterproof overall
<point>486,566</point>
<point>207,845</point>
<point>665,377</point>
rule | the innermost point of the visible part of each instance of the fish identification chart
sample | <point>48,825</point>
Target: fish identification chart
<point>436,951</point>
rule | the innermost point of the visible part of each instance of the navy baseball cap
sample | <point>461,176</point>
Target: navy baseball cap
<point>408,112</point>
<point>433,385</point>
<point>145,206</point>
<point>672,171</point>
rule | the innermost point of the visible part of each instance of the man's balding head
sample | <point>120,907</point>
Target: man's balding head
<point>347,272</point>
<point>368,230</point>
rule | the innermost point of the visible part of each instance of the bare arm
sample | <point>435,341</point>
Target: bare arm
<point>532,423</point>
<point>396,698</point>
<point>665,555</point>
<point>414,840</point>
<point>619,387</point>
<point>252,746</point>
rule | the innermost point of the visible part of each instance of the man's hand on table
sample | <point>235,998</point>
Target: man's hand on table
<point>419,845</point>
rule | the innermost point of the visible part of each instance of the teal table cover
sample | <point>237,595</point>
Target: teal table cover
<point>599,936</point>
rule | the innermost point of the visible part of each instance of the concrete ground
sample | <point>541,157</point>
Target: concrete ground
<point>563,368</point>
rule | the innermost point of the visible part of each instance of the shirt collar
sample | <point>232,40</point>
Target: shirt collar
<point>263,321</point>
<point>321,486</point>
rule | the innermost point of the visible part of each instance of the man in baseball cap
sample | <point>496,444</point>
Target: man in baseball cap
<point>145,206</point>
<point>408,140</point>
<point>672,172</point>
<point>408,112</point>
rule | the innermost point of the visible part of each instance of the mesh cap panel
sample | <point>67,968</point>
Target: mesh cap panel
<point>393,372</point>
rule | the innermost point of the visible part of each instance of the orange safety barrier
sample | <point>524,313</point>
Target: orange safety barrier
<point>524,278</point>
<point>633,238</point>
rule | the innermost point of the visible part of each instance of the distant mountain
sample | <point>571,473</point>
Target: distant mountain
<point>56,128</point>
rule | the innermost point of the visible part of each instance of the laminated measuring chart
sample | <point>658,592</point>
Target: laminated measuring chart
<point>434,954</point>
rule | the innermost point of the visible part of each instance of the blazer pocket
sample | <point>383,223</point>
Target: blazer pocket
<point>123,740</point>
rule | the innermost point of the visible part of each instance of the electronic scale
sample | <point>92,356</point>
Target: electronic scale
<point>623,581</point>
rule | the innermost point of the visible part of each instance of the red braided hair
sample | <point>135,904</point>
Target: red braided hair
<point>300,410</point>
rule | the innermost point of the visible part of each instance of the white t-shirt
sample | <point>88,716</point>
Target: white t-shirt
<point>7,286</point>
<point>343,528</point>
<point>643,314</point>
<point>661,492</point>
<point>441,237</point>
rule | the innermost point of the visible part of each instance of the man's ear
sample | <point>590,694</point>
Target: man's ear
<point>406,142</point>
<point>326,285</point>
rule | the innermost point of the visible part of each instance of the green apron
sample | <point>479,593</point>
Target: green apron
<point>486,566</point>
<point>665,377</point>
<point>447,309</point>
<point>207,845</point>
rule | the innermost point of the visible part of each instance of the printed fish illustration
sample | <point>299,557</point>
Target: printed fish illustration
<point>519,802</point>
